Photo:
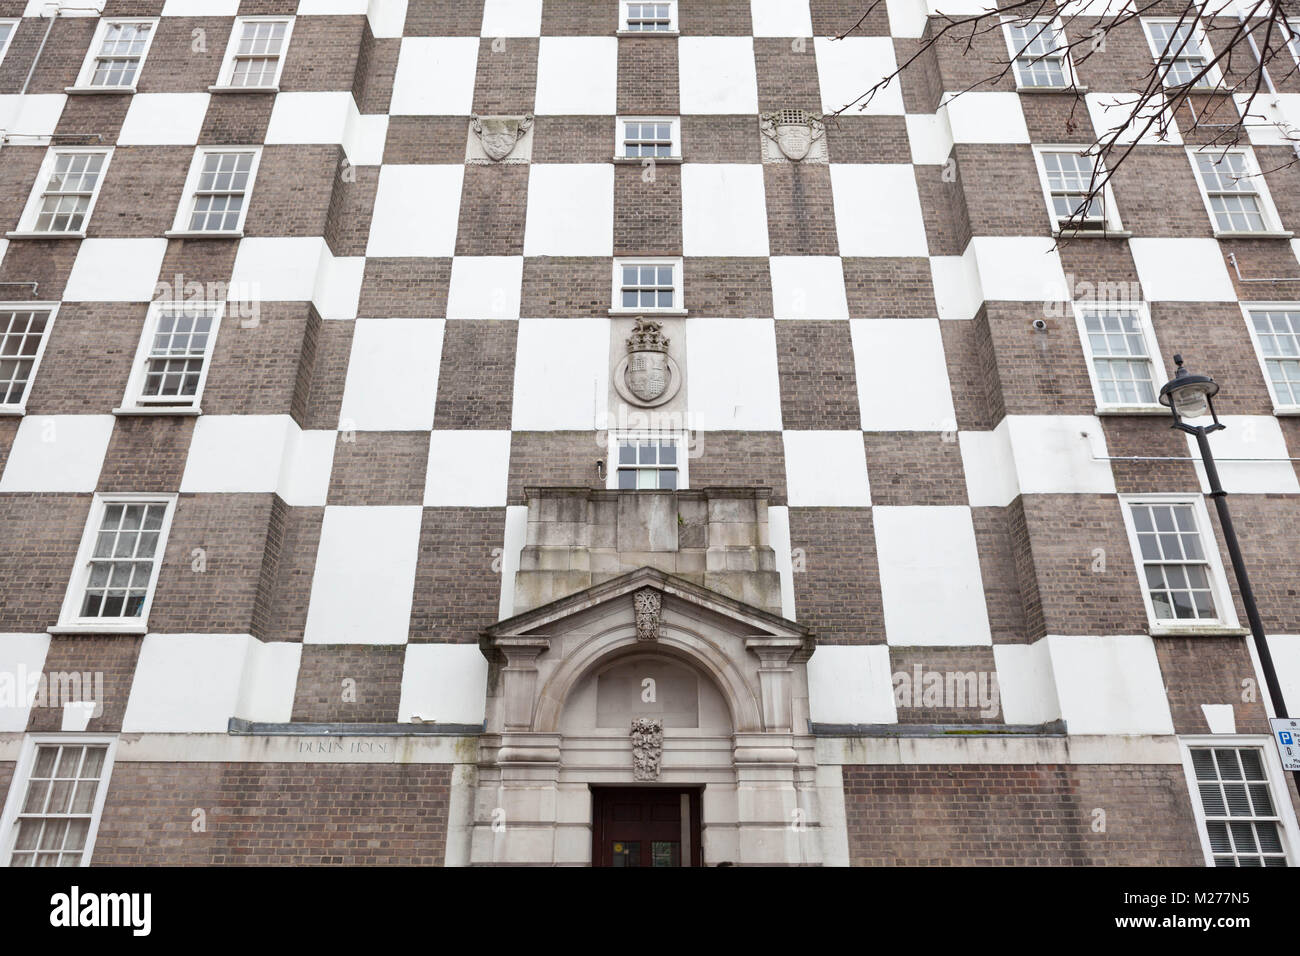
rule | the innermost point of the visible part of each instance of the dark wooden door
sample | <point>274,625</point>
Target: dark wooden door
<point>643,826</point>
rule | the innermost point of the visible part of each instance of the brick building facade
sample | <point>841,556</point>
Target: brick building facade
<point>339,528</point>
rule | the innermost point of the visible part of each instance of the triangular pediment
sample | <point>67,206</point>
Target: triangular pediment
<point>740,617</point>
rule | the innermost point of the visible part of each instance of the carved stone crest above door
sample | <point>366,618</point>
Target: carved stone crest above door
<point>648,376</point>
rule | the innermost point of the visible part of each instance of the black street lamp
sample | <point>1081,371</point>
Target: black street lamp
<point>1192,396</point>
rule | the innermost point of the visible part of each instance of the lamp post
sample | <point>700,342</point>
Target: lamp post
<point>1192,396</point>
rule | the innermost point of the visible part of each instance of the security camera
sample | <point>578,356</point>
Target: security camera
<point>1040,325</point>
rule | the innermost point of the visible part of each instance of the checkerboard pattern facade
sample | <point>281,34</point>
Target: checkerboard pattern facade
<point>409,340</point>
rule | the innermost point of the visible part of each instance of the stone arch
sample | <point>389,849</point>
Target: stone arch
<point>708,658</point>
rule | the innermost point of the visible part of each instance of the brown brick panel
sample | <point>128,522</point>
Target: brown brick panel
<point>405,288</point>
<point>1175,209</point>
<point>889,288</point>
<point>730,288</point>
<point>943,208</point>
<point>142,191</point>
<point>7,768</point>
<point>1265,526</point>
<point>915,468</point>
<point>102,662</point>
<point>1058,118</point>
<point>196,260</point>
<point>867,139</point>
<point>64,52</point>
<point>720,139</point>
<point>1040,373</point>
<point>174,65</point>
<point>1121,63</point>
<point>848,17</point>
<point>735,459</point>
<point>146,453</point>
<point>1038,814</point>
<point>280,8</point>
<point>352,202</point>
<point>42,533</point>
<point>46,262</point>
<point>379,468</point>
<point>985,358</point>
<point>8,430</point>
<point>718,18</point>
<point>275,814</point>
<point>1099,271</point>
<point>1211,670</point>
<point>22,47</point>
<point>567,287</point>
<point>87,358</point>
<point>443,18</point>
<point>1283,180</point>
<point>969,58</point>
<point>212,592</point>
<point>280,612</point>
<point>964,690</point>
<point>787,77</point>
<point>477,375</point>
<point>236,119</point>
<point>1022,553</point>
<point>1263,259</point>
<point>555,458</point>
<point>291,195</point>
<point>800,210</point>
<point>323,382</point>
<point>921,85</point>
<point>372,87</point>
<point>1148,437</point>
<point>457,586</point>
<point>18,170</point>
<point>506,82</point>
<point>573,139</point>
<point>818,380</point>
<point>374,673</point>
<point>647,214</point>
<point>1215,338</point>
<point>255,366</point>
<point>986,170</point>
<point>88,115</point>
<point>493,204</point>
<point>647,77</point>
<point>837,593</point>
<point>1064,532</point>
<point>426,139</point>
<point>323,53</point>
<point>997,543</point>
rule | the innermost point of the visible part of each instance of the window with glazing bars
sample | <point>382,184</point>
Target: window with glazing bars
<point>648,286</point>
<point>120,53</point>
<point>649,16</point>
<point>1174,564</point>
<point>1040,53</point>
<point>1069,180</point>
<point>1180,53</point>
<point>257,57</point>
<point>177,352</point>
<point>1121,361</point>
<point>54,820</point>
<point>123,559</point>
<point>1278,334</point>
<point>21,333</point>
<point>1231,191</point>
<point>647,138</point>
<point>219,197</point>
<point>647,463</point>
<point>1240,818</point>
<point>69,192</point>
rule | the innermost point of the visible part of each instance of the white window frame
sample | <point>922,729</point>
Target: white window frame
<point>1213,77</point>
<point>1067,62</point>
<point>22,776</point>
<point>51,309</point>
<point>8,41</point>
<point>181,224</point>
<point>1111,224</point>
<point>1294,41</point>
<point>616,290</point>
<point>1159,374</point>
<point>31,211</point>
<point>1220,592</point>
<point>232,48</point>
<point>1268,211</point>
<point>625,30</point>
<point>1276,784</point>
<point>70,620</point>
<point>620,141</point>
<point>617,438</point>
<point>1247,308</point>
<point>96,44</point>
<point>135,401</point>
